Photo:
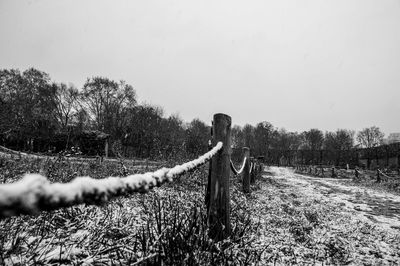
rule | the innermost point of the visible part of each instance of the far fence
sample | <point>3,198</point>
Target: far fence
<point>9,153</point>
<point>357,174</point>
<point>377,157</point>
<point>34,193</point>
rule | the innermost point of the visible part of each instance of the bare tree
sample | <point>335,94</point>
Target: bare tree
<point>263,137</point>
<point>106,102</point>
<point>312,141</point>
<point>197,136</point>
<point>237,137</point>
<point>248,136</point>
<point>28,102</point>
<point>370,137</point>
<point>337,143</point>
<point>67,97</point>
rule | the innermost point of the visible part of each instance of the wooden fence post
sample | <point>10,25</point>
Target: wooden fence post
<point>106,149</point>
<point>208,187</point>
<point>378,176</point>
<point>219,202</point>
<point>246,170</point>
<point>253,173</point>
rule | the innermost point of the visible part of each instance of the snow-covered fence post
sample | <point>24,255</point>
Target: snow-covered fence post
<point>246,170</point>
<point>219,202</point>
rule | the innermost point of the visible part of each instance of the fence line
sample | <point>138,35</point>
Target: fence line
<point>356,174</point>
<point>35,193</point>
<point>6,152</point>
<point>246,174</point>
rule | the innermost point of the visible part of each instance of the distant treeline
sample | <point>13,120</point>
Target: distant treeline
<point>40,115</point>
<point>376,157</point>
<point>314,147</point>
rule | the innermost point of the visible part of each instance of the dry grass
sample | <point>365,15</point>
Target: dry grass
<point>166,226</point>
<point>276,224</point>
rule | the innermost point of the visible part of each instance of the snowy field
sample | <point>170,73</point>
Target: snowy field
<point>287,219</point>
<point>317,217</point>
<point>381,208</point>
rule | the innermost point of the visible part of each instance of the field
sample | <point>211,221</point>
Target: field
<point>287,219</point>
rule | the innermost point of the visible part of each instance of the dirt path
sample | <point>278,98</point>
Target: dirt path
<point>383,209</point>
<point>309,220</point>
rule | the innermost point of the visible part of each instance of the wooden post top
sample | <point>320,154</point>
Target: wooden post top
<point>221,116</point>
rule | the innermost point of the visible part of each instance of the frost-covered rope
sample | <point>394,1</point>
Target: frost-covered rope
<point>235,172</point>
<point>34,192</point>
<point>238,172</point>
<point>385,175</point>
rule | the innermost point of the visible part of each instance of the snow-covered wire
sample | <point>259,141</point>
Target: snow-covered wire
<point>34,192</point>
<point>238,172</point>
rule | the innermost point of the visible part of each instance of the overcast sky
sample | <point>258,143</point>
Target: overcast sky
<point>297,64</point>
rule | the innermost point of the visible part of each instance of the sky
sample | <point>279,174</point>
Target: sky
<point>297,64</point>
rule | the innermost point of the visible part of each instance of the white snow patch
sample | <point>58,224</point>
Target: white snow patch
<point>343,195</point>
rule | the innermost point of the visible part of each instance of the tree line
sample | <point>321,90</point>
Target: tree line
<point>34,110</point>
<point>308,147</point>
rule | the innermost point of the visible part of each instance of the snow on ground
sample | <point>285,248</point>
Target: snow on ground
<point>382,209</point>
<point>321,221</point>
